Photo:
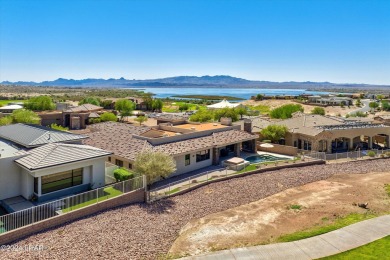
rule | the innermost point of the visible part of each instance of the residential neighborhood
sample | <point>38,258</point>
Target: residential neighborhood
<point>194,130</point>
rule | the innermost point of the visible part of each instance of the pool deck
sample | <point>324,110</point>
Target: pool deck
<point>204,173</point>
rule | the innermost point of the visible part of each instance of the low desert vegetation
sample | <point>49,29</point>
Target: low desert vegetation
<point>285,111</point>
<point>58,127</point>
<point>108,116</point>
<point>274,132</point>
<point>21,116</point>
<point>40,103</point>
<point>318,111</point>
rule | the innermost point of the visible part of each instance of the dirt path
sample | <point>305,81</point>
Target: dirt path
<point>265,220</point>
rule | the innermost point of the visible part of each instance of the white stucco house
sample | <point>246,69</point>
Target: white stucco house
<point>38,164</point>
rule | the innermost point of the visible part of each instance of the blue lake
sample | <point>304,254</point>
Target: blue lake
<point>244,93</point>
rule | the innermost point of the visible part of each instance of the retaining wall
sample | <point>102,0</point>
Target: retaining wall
<point>125,199</point>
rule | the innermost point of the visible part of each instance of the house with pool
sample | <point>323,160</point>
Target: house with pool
<point>192,145</point>
<point>38,164</point>
<point>328,134</point>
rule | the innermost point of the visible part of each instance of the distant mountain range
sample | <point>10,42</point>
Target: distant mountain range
<point>191,81</point>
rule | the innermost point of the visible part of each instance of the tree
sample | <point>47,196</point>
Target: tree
<point>385,105</point>
<point>157,105</point>
<point>58,127</point>
<point>380,97</point>
<point>108,116</point>
<point>274,132</point>
<point>202,115</point>
<point>184,107</point>
<point>358,102</point>
<point>285,111</point>
<point>342,104</point>
<point>226,112</point>
<point>125,107</point>
<point>90,100</point>
<point>7,120</point>
<point>241,111</point>
<point>25,116</point>
<point>40,103</point>
<point>149,102</point>
<point>154,165</point>
<point>259,97</point>
<point>141,119</point>
<point>318,111</point>
<point>373,105</point>
<point>107,104</point>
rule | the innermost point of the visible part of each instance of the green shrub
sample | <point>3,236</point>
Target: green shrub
<point>285,111</point>
<point>123,174</point>
<point>107,116</point>
<point>58,127</point>
<point>388,154</point>
<point>318,111</point>
<point>371,153</point>
<point>295,206</point>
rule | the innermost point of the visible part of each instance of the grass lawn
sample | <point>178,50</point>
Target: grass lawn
<point>172,191</point>
<point>376,250</point>
<point>338,223</point>
<point>387,188</point>
<point>173,107</point>
<point>110,193</point>
<point>250,167</point>
<point>5,102</point>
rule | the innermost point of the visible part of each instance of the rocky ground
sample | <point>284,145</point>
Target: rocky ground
<point>145,231</point>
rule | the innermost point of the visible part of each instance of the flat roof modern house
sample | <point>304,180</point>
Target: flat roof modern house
<point>327,133</point>
<point>193,146</point>
<point>45,164</point>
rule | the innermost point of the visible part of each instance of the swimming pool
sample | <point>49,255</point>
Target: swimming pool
<point>264,158</point>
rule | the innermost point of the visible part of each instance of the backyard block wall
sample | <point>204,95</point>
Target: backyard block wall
<point>281,149</point>
<point>137,196</point>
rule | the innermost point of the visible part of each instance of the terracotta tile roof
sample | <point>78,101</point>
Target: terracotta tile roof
<point>83,108</point>
<point>117,137</point>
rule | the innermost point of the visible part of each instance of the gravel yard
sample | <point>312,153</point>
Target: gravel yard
<point>147,231</point>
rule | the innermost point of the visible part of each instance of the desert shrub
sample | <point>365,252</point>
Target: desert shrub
<point>371,153</point>
<point>318,111</point>
<point>58,127</point>
<point>274,132</point>
<point>285,111</point>
<point>107,116</point>
<point>122,174</point>
<point>40,103</point>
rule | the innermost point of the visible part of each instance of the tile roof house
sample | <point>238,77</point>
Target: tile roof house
<point>40,162</point>
<point>329,134</point>
<point>203,146</point>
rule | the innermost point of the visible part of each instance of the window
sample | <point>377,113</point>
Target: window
<point>187,159</point>
<point>36,185</point>
<point>119,163</point>
<point>203,155</point>
<point>130,166</point>
<point>62,180</point>
<point>109,159</point>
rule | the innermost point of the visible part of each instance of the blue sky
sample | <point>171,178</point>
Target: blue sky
<point>336,41</point>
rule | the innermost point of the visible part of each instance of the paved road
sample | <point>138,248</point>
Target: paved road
<point>323,245</point>
<point>365,106</point>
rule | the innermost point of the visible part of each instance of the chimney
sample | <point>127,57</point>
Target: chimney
<point>248,125</point>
